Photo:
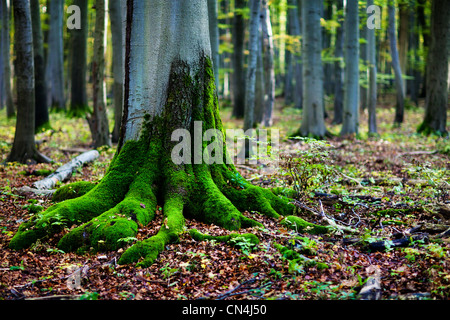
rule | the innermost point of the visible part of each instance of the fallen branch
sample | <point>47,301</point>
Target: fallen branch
<point>64,172</point>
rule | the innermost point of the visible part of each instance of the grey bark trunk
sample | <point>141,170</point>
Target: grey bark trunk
<point>338,70</point>
<point>78,96</point>
<point>41,107</point>
<point>214,37</point>
<point>115,13</point>
<point>255,6</point>
<point>313,111</point>
<point>24,147</point>
<point>55,64</point>
<point>436,103</point>
<point>372,89</point>
<point>98,121</point>
<point>238,82</point>
<point>268,60</point>
<point>403,39</point>
<point>5,38</point>
<point>350,121</point>
<point>392,32</point>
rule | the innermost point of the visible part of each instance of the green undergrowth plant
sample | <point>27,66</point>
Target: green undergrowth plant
<point>310,168</point>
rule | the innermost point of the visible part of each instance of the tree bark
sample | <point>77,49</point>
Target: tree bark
<point>238,37</point>
<point>214,37</point>
<point>24,147</point>
<point>338,70</point>
<point>268,61</point>
<point>55,64</point>
<point>249,119</point>
<point>41,112</point>
<point>78,96</point>
<point>372,89</point>
<point>436,104</point>
<point>313,112</point>
<point>392,32</point>
<point>350,121</point>
<point>98,121</point>
<point>115,13</point>
<point>169,84</point>
<point>5,38</point>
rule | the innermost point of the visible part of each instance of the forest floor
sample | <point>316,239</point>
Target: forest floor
<point>393,190</point>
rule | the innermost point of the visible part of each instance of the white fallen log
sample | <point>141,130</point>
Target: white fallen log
<point>372,288</point>
<point>64,172</point>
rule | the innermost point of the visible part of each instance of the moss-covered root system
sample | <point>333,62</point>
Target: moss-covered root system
<point>142,175</point>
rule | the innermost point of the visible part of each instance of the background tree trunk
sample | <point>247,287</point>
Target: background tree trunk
<point>313,110</point>
<point>115,13</point>
<point>268,61</point>
<point>5,38</point>
<point>255,6</point>
<point>372,89</point>
<point>78,96</point>
<point>436,104</point>
<point>238,37</point>
<point>98,121</point>
<point>350,121</point>
<point>338,70</point>
<point>400,104</point>
<point>41,107</point>
<point>24,148</point>
<point>55,64</point>
<point>403,28</point>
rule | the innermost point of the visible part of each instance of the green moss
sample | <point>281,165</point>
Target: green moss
<point>300,225</point>
<point>72,190</point>
<point>232,238</point>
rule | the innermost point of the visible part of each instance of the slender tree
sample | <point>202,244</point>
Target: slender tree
<point>249,119</point>
<point>55,64</point>
<point>98,121</point>
<point>313,110</point>
<point>338,69</point>
<point>238,37</point>
<point>268,61</point>
<point>350,121</point>
<point>78,37</point>
<point>24,147</point>
<point>436,102</point>
<point>392,32</point>
<point>169,84</point>
<point>115,13</point>
<point>372,89</point>
<point>5,38</point>
<point>41,107</point>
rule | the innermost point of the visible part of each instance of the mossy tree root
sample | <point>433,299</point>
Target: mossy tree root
<point>142,175</point>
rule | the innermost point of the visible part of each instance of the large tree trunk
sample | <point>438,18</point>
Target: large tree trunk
<point>338,70</point>
<point>55,64</point>
<point>24,147</point>
<point>436,103</point>
<point>238,37</point>
<point>115,13</point>
<point>78,96</point>
<point>350,121</point>
<point>214,37</point>
<point>98,121</point>
<point>400,104</point>
<point>5,38</point>
<point>169,84</point>
<point>313,111</point>
<point>41,107</point>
